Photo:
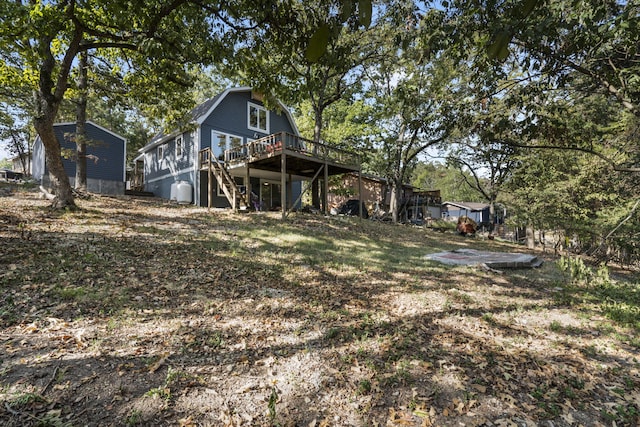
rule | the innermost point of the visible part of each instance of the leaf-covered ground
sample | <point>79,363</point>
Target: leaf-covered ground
<point>137,312</point>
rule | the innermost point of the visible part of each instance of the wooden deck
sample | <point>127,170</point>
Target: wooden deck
<point>303,157</point>
<point>289,155</point>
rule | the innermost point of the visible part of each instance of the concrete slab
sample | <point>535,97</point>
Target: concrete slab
<point>490,259</point>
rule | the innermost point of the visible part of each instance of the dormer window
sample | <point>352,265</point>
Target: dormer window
<point>258,118</point>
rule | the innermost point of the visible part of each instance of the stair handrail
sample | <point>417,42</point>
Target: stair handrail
<point>224,179</point>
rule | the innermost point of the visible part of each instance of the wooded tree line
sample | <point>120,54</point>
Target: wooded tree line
<point>534,101</point>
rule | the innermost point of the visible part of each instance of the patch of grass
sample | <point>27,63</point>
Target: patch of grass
<point>364,387</point>
<point>634,341</point>
<point>26,399</point>
<point>134,418</point>
<point>589,351</point>
<point>71,293</point>
<point>488,317</point>
<point>8,312</point>
<point>271,406</point>
<point>175,376</point>
<point>215,340</point>
<point>460,297</point>
<point>584,286</point>
<point>403,374</point>
<point>149,229</point>
<point>555,326</point>
<point>159,392</point>
<point>623,414</point>
<point>332,333</point>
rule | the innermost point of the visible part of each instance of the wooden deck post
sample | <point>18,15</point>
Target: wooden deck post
<point>247,187</point>
<point>283,184</point>
<point>234,204</point>
<point>325,196</point>
<point>289,193</point>
<point>361,200</point>
<point>209,184</point>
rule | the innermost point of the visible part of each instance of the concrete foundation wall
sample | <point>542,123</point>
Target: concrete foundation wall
<point>99,186</point>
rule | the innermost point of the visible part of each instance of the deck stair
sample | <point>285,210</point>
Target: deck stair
<point>226,183</point>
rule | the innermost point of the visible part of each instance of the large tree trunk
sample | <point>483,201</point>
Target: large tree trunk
<point>81,120</point>
<point>397,173</point>
<point>531,236</point>
<point>53,156</point>
<point>396,189</point>
<point>49,95</point>
<point>492,216</point>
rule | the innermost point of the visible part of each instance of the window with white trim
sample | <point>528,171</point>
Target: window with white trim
<point>179,146</point>
<point>160,152</point>
<point>223,141</point>
<point>258,118</point>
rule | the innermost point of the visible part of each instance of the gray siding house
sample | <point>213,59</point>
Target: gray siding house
<point>479,212</point>
<point>229,121</point>
<point>106,158</point>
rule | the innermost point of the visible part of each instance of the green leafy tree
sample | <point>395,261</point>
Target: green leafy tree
<point>40,42</point>
<point>486,156</point>
<point>575,193</point>
<point>416,96</point>
<point>557,41</point>
<point>16,135</point>
<point>347,123</point>
<point>452,183</point>
<point>314,52</point>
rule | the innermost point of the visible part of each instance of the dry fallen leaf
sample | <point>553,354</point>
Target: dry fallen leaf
<point>159,363</point>
<point>479,388</point>
<point>186,422</point>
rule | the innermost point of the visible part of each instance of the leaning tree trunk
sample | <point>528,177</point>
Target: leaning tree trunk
<point>52,85</point>
<point>53,157</point>
<point>81,120</point>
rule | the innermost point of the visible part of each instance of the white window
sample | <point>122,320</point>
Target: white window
<point>258,118</point>
<point>224,141</point>
<point>179,146</point>
<point>160,152</point>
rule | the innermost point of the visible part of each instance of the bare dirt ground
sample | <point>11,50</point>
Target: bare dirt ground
<point>136,312</point>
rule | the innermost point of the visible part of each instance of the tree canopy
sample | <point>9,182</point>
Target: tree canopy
<point>145,45</point>
<point>487,82</point>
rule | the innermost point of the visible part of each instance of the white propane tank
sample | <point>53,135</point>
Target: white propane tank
<point>174,191</point>
<point>183,192</point>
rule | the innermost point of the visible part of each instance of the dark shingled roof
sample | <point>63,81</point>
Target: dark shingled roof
<point>203,108</point>
<point>197,112</point>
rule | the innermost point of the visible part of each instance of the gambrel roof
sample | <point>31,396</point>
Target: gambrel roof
<point>200,113</point>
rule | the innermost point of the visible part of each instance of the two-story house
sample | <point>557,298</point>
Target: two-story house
<point>238,153</point>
